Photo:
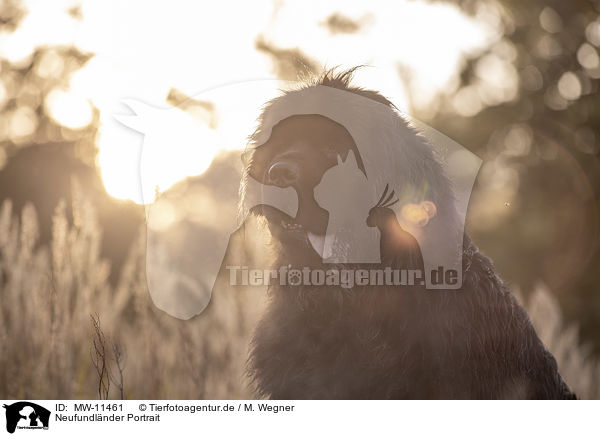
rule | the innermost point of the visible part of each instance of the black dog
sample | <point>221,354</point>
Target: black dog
<point>380,341</point>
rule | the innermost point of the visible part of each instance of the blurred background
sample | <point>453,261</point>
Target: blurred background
<point>515,82</point>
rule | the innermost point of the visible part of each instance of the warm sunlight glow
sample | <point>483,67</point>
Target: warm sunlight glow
<point>68,109</point>
<point>416,42</point>
<point>418,214</point>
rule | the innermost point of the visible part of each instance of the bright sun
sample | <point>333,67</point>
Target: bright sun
<point>195,49</point>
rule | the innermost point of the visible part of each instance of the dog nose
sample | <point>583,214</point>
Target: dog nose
<point>283,173</point>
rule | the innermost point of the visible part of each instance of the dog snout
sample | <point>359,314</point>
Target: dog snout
<point>283,173</point>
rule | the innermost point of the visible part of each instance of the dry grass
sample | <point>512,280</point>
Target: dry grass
<point>49,348</point>
<point>577,366</point>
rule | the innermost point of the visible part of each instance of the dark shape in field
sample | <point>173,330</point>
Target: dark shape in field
<point>44,174</point>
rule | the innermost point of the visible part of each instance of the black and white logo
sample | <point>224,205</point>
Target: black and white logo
<point>26,415</point>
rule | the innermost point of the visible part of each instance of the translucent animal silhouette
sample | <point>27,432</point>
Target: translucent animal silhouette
<point>348,196</point>
<point>398,248</point>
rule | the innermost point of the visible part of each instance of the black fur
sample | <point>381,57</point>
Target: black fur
<point>399,342</point>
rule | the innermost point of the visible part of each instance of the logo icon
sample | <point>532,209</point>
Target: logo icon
<point>26,415</point>
<point>363,184</point>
